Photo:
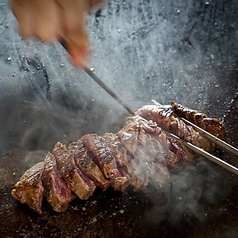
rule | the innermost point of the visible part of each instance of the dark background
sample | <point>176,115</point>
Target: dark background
<point>185,50</point>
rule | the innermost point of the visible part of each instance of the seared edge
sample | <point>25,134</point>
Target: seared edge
<point>78,183</point>
<point>29,188</point>
<point>166,119</point>
<point>105,158</point>
<point>212,125</point>
<point>87,165</point>
<point>56,190</point>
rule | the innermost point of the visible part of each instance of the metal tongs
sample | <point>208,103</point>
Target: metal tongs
<point>189,145</point>
<point>204,153</point>
<point>210,137</point>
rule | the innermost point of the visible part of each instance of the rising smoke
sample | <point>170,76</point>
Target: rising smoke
<point>193,192</point>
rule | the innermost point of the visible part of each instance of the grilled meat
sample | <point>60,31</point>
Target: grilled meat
<point>126,164</point>
<point>29,188</point>
<point>105,158</point>
<point>148,154</point>
<point>86,164</point>
<point>78,183</point>
<point>169,149</point>
<point>212,125</point>
<point>56,190</point>
<point>166,119</point>
<point>140,153</point>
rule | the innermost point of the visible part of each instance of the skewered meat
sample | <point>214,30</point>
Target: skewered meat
<point>140,153</point>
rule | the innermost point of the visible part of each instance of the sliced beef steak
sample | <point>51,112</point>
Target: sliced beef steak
<point>29,188</point>
<point>86,164</point>
<point>81,185</point>
<point>152,158</point>
<point>56,190</point>
<point>141,152</point>
<point>212,125</point>
<point>166,119</point>
<point>105,158</point>
<point>126,163</point>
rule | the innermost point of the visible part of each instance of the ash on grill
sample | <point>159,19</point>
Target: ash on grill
<point>140,153</point>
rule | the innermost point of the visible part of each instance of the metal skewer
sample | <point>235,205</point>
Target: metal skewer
<point>102,84</point>
<point>107,89</point>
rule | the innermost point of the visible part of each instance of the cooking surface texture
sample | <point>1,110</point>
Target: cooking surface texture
<point>183,50</point>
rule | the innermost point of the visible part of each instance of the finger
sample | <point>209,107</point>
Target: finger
<point>77,49</point>
<point>93,3</point>
<point>73,28</point>
<point>45,20</point>
<point>78,55</point>
<point>73,18</point>
<point>22,11</point>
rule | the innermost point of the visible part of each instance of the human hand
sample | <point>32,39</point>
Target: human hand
<point>56,20</point>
